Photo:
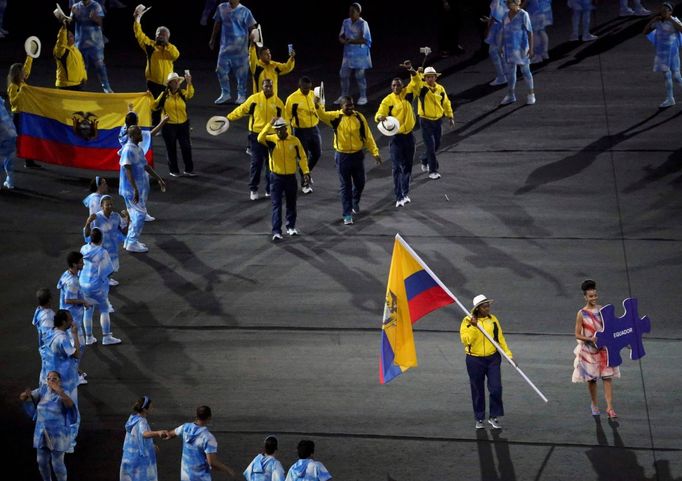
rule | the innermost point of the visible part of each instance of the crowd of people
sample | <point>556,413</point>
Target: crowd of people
<point>284,143</point>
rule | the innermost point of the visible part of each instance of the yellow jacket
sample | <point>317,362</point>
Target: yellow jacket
<point>173,104</point>
<point>70,65</point>
<point>351,132</point>
<point>400,106</point>
<point>300,110</point>
<point>284,153</point>
<point>13,89</point>
<point>272,71</point>
<point>475,343</point>
<point>159,58</point>
<point>434,102</point>
<point>260,110</point>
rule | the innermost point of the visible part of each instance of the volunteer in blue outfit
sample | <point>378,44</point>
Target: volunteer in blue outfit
<point>265,466</point>
<point>139,452</point>
<point>357,41</point>
<point>88,16</point>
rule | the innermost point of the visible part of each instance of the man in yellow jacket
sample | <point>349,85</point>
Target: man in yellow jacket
<point>301,112</point>
<point>433,105</point>
<point>160,57</point>
<point>286,154</point>
<point>398,104</point>
<point>351,136</point>
<point>260,107</point>
<point>262,66</point>
<point>71,73</point>
<point>483,360</point>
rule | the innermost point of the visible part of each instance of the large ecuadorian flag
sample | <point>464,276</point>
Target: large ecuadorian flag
<point>76,129</point>
<point>412,292</point>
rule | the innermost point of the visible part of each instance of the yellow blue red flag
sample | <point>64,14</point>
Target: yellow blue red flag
<point>76,129</point>
<point>413,291</point>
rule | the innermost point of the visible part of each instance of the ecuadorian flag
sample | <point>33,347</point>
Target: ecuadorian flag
<point>76,129</point>
<point>412,292</point>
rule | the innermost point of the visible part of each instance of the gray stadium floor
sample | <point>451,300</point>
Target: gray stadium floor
<point>285,338</point>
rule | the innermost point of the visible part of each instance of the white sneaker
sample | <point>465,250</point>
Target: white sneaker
<point>480,424</point>
<point>626,12</point>
<point>3,31</point>
<point>90,340</point>
<point>588,37</point>
<point>175,174</point>
<point>276,237</point>
<point>400,203</point>
<point>307,189</point>
<point>339,100</point>
<point>240,100</point>
<point>223,99</point>
<point>434,175</point>
<point>362,101</point>
<point>8,185</point>
<point>498,81</point>
<point>406,200</point>
<point>494,423</point>
<point>531,99</point>
<point>113,282</point>
<point>425,168</point>
<point>189,174</point>
<point>293,232</point>
<point>110,340</point>
<point>81,379</point>
<point>149,218</point>
<point>669,102</point>
<point>508,99</point>
<point>107,90</point>
<point>267,194</point>
<point>136,247</point>
<point>642,12</point>
<point>253,195</point>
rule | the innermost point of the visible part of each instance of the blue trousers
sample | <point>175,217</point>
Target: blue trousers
<point>94,57</point>
<point>259,157</point>
<point>312,143</point>
<point>351,170</point>
<point>401,147</point>
<point>478,369</point>
<point>239,66</point>
<point>431,133</point>
<point>8,152</point>
<point>360,78</point>
<point>287,187</point>
<point>137,213</point>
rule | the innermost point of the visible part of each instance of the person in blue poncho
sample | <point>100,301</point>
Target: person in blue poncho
<point>306,468</point>
<point>265,467</point>
<point>139,452</point>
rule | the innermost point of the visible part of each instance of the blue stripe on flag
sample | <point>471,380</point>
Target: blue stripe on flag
<point>32,125</point>
<point>417,283</point>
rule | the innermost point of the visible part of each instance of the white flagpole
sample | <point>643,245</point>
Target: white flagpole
<point>464,309</point>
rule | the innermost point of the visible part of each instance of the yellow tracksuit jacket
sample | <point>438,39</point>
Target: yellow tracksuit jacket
<point>159,58</point>
<point>260,111</point>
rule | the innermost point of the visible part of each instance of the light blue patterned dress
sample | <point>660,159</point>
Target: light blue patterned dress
<point>234,30</point>
<point>515,38</point>
<point>667,41</point>
<point>57,355</point>
<point>43,320</point>
<point>133,155</point>
<point>94,278</point>
<point>88,33</point>
<point>70,288</point>
<point>308,470</point>
<point>92,202</point>
<point>540,12</point>
<point>8,144</point>
<point>112,235</point>
<point>197,442</point>
<point>356,56</point>
<point>580,5</point>
<point>139,455</point>
<point>498,10</point>
<point>53,420</point>
<point>264,468</point>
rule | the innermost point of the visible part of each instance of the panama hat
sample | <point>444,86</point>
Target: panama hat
<point>257,36</point>
<point>481,299</point>
<point>279,123</point>
<point>174,76</point>
<point>389,126</point>
<point>319,92</point>
<point>32,46</point>
<point>60,15</point>
<point>217,124</point>
<point>431,71</point>
<point>141,10</point>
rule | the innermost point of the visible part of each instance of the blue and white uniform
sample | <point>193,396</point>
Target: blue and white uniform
<point>8,144</point>
<point>94,278</point>
<point>264,468</point>
<point>308,470</point>
<point>514,39</point>
<point>356,57</point>
<point>541,17</point>
<point>133,155</point>
<point>139,455</point>
<point>92,202</point>
<point>667,40</point>
<point>145,144</point>
<point>235,24</point>
<point>112,234</point>
<point>43,320</point>
<point>90,39</point>
<point>197,442</point>
<point>70,288</point>
<point>498,10</point>
<point>582,9</point>
<point>57,354</point>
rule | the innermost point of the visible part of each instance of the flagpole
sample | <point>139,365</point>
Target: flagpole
<point>464,309</point>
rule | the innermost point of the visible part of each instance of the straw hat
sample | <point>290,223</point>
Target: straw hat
<point>32,46</point>
<point>319,92</point>
<point>431,71</point>
<point>257,36</point>
<point>279,123</point>
<point>217,124</point>
<point>481,299</point>
<point>174,76</point>
<point>141,10</point>
<point>389,127</point>
<point>60,15</point>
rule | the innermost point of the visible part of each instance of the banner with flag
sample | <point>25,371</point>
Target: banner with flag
<point>76,129</point>
<point>413,291</point>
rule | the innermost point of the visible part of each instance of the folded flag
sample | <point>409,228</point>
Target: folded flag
<point>76,129</point>
<point>412,291</point>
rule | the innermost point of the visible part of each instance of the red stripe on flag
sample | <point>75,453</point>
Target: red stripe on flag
<point>71,156</point>
<point>427,301</point>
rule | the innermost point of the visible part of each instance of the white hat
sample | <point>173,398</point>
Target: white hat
<point>389,126</point>
<point>431,71</point>
<point>481,299</point>
<point>141,10</point>
<point>32,46</point>
<point>257,36</point>
<point>60,15</point>
<point>319,92</point>
<point>173,76</point>
<point>279,123</point>
<point>217,124</point>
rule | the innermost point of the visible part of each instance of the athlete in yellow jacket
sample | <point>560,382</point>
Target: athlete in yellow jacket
<point>263,67</point>
<point>71,73</point>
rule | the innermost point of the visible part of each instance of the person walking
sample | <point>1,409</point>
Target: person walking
<point>357,42</point>
<point>517,47</point>
<point>262,66</point>
<point>8,145</point>
<point>665,32</point>
<point>483,361</point>
<point>265,466</point>
<point>114,229</point>
<point>71,73</point>
<point>307,468</point>
<point>88,16</point>
<point>139,452</point>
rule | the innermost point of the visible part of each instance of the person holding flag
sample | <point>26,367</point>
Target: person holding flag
<point>483,360</point>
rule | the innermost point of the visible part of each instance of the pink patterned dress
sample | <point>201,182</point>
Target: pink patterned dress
<point>590,362</point>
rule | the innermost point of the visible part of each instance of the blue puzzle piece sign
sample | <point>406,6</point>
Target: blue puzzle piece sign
<point>620,332</point>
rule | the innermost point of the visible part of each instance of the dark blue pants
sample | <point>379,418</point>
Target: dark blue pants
<point>401,147</point>
<point>431,133</point>
<point>312,143</point>
<point>283,186</point>
<point>479,368</point>
<point>351,169</point>
<point>174,134</point>
<point>259,157</point>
